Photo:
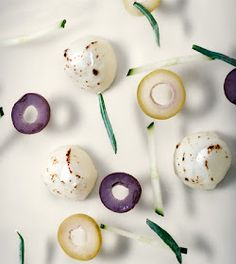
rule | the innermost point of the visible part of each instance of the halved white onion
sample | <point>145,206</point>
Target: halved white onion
<point>80,237</point>
<point>91,63</point>
<point>150,5</point>
<point>161,94</point>
<point>202,160</point>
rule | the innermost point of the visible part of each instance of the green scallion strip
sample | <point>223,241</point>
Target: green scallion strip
<point>168,239</point>
<point>215,55</point>
<point>21,248</point>
<point>167,63</point>
<point>140,238</point>
<point>151,20</point>
<point>107,122</point>
<point>63,23</point>
<point>1,112</point>
<point>155,178</point>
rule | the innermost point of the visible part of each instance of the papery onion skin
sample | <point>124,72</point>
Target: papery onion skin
<point>43,117</point>
<point>123,179</point>
<point>230,86</point>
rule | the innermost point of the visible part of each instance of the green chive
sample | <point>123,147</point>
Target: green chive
<point>215,55</point>
<point>63,23</point>
<point>107,122</point>
<point>168,239</point>
<point>21,248</point>
<point>1,112</point>
<point>151,20</point>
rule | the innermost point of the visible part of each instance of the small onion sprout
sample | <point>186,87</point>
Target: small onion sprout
<point>155,178</point>
<point>141,238</point>
<point>34,36</point>
<point>161,94</point>
<point>167,63</point>
<point>21,248</point>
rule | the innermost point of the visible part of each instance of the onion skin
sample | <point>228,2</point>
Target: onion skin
<point>230,86</point>
<point>202,160</point>
<point>42,107</point>
<point>126,180</point>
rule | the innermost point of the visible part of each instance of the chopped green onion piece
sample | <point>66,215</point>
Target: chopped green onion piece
<point>151,20</point>
<point>63,23</point>
<point>21,248</point>
<point>155,179</point>
<point>166,63</point>
<point>30,37</point>
<point>1,112</point>
<point>215,55</point>
<point>107,122</point>
<point>168,239</point>
<point>137,237</point>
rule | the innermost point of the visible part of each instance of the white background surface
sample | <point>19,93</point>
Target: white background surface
<point>202,221</point>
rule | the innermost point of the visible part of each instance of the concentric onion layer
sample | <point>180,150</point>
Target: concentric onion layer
<point>171,83</point>
<point>230,86</point>
<point>91,245</point>
<point>19,108</point>
<point>125,180</point>
<point>150,5</point>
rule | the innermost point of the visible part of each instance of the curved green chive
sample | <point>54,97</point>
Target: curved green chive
<point>215,55</point>
<point>168,239</point>
<point>151,20</point>
<point>107,122</point>
<point>21,248</point>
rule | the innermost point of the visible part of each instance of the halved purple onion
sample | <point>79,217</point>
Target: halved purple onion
<point>230,86</point>
<point>123,179</point>
<point>19,108</point>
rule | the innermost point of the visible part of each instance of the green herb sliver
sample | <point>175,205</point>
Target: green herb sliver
<point>21,248</point>
<point>63,23</point>
<point>151,20</point>
<point>155,178</point>
<point>1,112</point>
<point>107,122</point>
<point>168,239</point>
<point>215,55</point>
<point>167,63</point>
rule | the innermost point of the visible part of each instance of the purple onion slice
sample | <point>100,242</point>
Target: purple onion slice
<point>230,86</point>
<point>123,179</point>
<point>43,113</point>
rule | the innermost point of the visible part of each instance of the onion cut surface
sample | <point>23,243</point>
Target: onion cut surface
<point>43,113</point>
<point>86,249</point>
<point>150,5</point>
<point>125,180</point>
<point>170,83</point>
<point>230,86</point>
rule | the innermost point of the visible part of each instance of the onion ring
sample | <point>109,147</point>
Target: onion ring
<point>19,108</point>
<point>123,179</point>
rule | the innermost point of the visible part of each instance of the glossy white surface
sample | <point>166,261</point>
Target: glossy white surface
<point>202,221</point>
<point>70,173</point>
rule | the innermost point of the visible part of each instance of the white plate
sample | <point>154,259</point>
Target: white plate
<point>202,221</point>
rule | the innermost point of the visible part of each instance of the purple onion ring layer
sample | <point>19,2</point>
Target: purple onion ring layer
<point>18,110</point>
<point>230,86</point>
<point>126,180</point>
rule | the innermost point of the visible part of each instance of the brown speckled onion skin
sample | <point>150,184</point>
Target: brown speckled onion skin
<point>202,160</point>
<point>91,63</point>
